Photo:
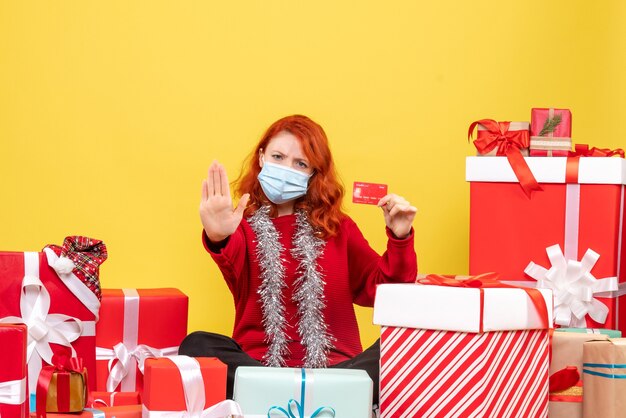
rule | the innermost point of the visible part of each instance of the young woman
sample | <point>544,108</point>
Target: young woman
<point>294,262</point>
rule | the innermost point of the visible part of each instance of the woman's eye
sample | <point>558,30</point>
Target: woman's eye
<point>277,157</point>
<point>302,164</point>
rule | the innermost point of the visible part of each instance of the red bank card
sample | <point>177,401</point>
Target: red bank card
<point>369,193</point>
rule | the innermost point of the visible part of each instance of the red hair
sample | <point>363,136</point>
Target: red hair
<point>322,201</point>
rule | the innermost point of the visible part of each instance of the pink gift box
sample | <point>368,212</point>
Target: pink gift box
<point>550,137</point>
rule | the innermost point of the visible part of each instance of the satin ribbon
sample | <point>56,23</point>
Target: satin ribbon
<point>193,388</point>
<point>128,356</point>
<point>489,280</point>
<point>509,144</point>
<point>43,328</point>
<point>573,287</point>
<point>63,365</point>
<point>13,392</point>
<point>583,150</point>
<point>299,406</point>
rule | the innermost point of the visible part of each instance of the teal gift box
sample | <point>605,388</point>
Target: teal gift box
<point>303,393</point>
<point>612,333</point>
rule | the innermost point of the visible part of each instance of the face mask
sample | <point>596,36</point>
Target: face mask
<point>282,184</point>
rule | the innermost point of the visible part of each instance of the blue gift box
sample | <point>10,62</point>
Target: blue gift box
<point>303,393</point>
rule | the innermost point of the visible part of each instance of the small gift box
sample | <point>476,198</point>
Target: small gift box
<point>62,387</point>
<point>263,391</point>
<point>604,377</point>
<point>107,399</point>
<point>13,371</point>
<point>462,348</point>
<point>566,368</point>
<point>136,324</point>
<point>181,386</point>
<point>508,139</point>
<point>550,132</point>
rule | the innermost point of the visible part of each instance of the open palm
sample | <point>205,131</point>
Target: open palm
<point>218,216</point>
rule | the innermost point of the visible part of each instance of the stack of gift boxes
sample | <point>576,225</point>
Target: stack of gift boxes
<point>545,218</point>
<point>69,349</point>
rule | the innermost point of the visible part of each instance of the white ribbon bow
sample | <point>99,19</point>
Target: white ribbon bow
<point>193,388</point>
<point>43,328</point>
<point>573,287</point>
<point>122,361</point>
<point>13,392</point>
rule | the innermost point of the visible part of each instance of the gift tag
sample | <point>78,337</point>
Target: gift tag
<point>368,193</point>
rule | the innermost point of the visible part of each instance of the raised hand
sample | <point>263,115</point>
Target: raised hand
<point>218,216</point>
<point>399,214</point>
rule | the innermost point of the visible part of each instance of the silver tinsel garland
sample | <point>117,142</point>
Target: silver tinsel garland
<point>309,293</point>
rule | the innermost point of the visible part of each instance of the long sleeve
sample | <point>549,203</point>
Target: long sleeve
<point>398,264</point>
<point>230,257</point>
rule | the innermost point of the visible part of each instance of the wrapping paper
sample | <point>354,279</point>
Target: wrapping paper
<point>13,391</point>
<point>553,144</point>
<point>163,385</point>
<point>68,385</point>
<point>604,377</point>
<point>136,324</point>
<point>567,351</point>
<point>33,292</point>
<point>524,140</point>
<point>434,362</point>
<point>264,390</point>
<point>509,231</point>
<point>611,333</point>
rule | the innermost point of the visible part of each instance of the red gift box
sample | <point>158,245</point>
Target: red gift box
<point>202,391</point>
<point>580,208</point>
<point>462,351</point>
<point>136,324</point>
<point>43,291</point>
<point>99,399</point>
<point>122,411</point>
<point>550,132</point>
<point>13,392</point>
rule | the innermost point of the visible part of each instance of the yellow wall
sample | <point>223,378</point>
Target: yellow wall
<point>111,112</point>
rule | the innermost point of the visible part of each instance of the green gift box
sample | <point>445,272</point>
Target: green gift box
<point>612,333</point>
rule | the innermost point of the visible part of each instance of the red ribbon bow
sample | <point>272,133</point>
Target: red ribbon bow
<point>63,364</point>
<point>488,280</point>
<point>583,150</point>
<point>509,144</point>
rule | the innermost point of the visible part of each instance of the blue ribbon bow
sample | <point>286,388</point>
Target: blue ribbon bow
<point>299,406</point>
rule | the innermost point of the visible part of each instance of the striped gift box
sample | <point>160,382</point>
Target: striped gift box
<point>437,360</point>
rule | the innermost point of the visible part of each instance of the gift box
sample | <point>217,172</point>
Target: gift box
<point>122,411</point>
<point>566,394</point>
<point>202,391</point>
<point>604,377</point>
<point>13,391</point>
<point>571,232</point>
<point>98,399</point>
<point>463,351</point>
<point>508,139</point>
<point>54,293</point>
<point>136,324</point>
<point>550,132</point>
<point>263,391</point>
<point>611,333</point>
<point>62,387</point>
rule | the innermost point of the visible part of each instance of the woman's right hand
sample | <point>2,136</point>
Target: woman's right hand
<point>218,216</point>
